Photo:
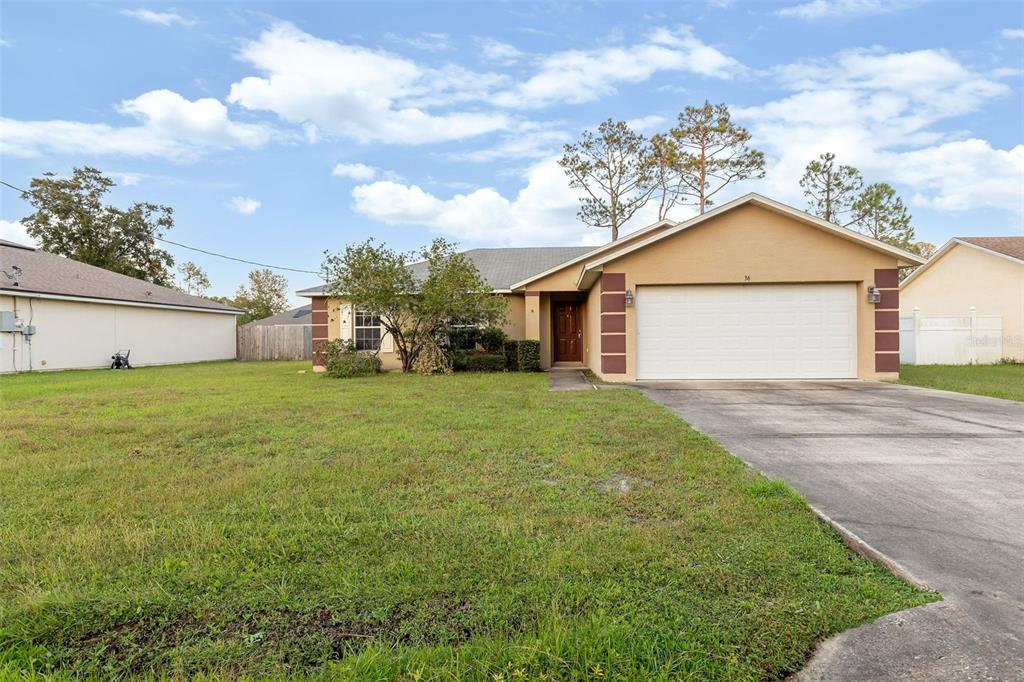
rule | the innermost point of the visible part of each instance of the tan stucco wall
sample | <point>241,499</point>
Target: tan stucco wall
<point>73,335</point>
<point>965,277</point>
<point>752,245</point>
<point>515,325</point>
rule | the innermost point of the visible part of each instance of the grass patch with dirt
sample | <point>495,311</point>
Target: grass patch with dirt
<point>996,381</point>
<point>230,518</point>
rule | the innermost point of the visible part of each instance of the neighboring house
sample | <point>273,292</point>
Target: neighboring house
<point>752,289</point>
<point>303,316</point>
<point>969,277</point>
<point>58,313</point>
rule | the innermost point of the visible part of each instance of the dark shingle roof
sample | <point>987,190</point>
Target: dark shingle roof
<point>303,315</point>
<point>502,268</point>
<point>1009,246</point>
<point>47,273</point>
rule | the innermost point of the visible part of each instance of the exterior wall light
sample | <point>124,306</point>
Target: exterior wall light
<point>874,295</point>
<point>629,297</point>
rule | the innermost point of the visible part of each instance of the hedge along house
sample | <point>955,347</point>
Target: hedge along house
<point>58,313</point>
<point>752,289</point>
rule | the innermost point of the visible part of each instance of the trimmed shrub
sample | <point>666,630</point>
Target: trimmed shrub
<point>492,339</point>
<point>511,350</point>
<point>460,338</point>
<point>529,356</point>
<point>485,362</point>
<point>432,360</point>
<point>344,361</point>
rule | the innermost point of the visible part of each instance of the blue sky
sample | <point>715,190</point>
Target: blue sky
<point>279,130</point>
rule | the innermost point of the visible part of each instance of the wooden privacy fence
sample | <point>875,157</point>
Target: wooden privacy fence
<point>275,342</point>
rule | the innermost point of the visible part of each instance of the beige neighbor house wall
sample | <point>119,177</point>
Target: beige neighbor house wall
<point>81,335</point>
<point>752,245</point>
<point>966,276</point>
<point>390,359</point>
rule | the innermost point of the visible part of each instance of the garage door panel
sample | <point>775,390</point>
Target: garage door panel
<point>771,331</point>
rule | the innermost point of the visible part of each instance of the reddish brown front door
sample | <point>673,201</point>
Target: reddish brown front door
<point>567,333</point>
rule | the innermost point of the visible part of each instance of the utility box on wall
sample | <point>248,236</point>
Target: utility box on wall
<point>7,321</point>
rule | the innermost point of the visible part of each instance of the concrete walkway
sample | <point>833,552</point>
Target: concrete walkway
<point>568,379</point>
<point>932,480</point>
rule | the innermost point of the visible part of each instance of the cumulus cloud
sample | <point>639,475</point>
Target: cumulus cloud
<point>169,125</point>
<point>577,76</point>
<point>876,110</point>
<point>358,93</point>
<point>499,52</point>
<point>159,18</point>
<point>543,212</point>
<point>15,232</point>
<point>244,205</point>
<point>825,9</point>
<point>355,171</point>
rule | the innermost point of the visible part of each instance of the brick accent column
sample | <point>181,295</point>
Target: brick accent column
<point>613,323</point>
<point>887,321</point>
<point>319,324</point>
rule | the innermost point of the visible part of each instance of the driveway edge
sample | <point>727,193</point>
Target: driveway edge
<point>855,543</point>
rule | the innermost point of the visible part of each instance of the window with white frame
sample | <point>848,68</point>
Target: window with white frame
<point>366,331</point>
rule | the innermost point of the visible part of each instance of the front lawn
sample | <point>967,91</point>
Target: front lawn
<point>245,518</point>
<point>997,381</point>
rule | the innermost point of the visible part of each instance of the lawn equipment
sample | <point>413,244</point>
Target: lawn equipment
<point>120,360</point>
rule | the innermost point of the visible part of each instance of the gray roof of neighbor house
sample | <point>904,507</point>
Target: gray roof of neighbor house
<point>1008,246</point>
<point>502,268</point>
<point>25,270</point>
<point>303,315</point>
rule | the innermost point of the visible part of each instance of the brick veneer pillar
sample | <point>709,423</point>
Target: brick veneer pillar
<point>319,324</point>
<point>613,323</point>
<point>887,321</point>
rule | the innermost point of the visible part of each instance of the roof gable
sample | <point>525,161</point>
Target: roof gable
<point>763,202</point>
<point>1007,246</point>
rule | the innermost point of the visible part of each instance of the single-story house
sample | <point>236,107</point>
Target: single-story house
<point>301,316</point>
<point>58,313</point>
<point>752,289</point>
<point>971,277</point>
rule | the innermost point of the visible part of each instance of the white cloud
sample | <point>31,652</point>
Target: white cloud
<point>170,126</point>
<point>578,76</point>
<point>244,205</point>
<point>876,111</point>
<point>358,93</point>
<point>15,232</point>
<point>1013,33</point>
<point>355,171</point>
<point>499,52</point>
<point>429,42</point>
<point>543,212</point>
<point>527,141</point>
<point>646,124</point>
<point>5,43</point>
<point>825,9</point>
<point>160,18</point>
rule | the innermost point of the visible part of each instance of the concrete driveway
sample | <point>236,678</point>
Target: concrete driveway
<point>932,480</point>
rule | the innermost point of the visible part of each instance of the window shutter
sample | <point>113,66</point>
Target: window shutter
<point>387,344</point>
<point>346,322</point>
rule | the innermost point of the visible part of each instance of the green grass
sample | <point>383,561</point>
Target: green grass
<point>997,381</point>
<point>228,519</point>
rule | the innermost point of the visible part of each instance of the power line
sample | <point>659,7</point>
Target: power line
<point>193,248</point>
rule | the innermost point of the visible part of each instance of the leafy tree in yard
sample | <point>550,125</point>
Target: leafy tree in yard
<point>830,189</point>
<point>266,295</point>
<point>377,279</point>
<point>880,213</point>
<point>613,168</point>
<point>712,152</point>
<point>193,279</point>
<point>71,220</point>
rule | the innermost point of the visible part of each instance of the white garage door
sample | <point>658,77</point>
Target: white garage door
<point>754,331</point>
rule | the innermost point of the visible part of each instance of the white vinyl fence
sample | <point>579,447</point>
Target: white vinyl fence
<point>970,339</point>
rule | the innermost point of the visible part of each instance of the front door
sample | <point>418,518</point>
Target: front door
<point>567,333</point>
